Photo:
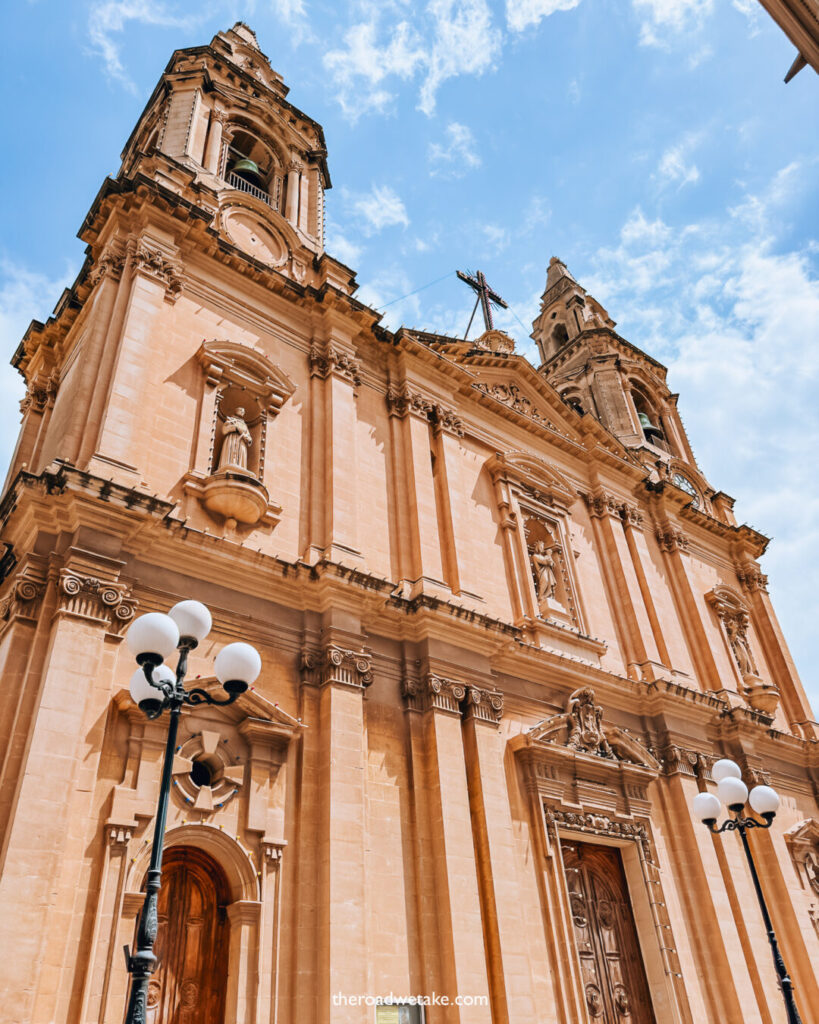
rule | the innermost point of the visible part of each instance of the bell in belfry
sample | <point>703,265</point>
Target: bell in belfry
<point>645,422</point>
<point>249,171</point>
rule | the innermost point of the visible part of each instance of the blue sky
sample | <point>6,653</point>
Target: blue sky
<point>651,144</point>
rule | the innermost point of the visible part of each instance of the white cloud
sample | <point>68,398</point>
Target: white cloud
<point>110,18</point>
<point>448,38</point>
<point>662,20</point>
<point>378,209</point>
<point>454,157</point>
<point>676,166</point>
<point>520,14</point>
<point>735,319</point>
<point>497,237</point>
<point>342,248</point>
<point>362,65</point>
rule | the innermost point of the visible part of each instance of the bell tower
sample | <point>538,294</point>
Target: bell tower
<point>596,371</point>
<point>219,121</point>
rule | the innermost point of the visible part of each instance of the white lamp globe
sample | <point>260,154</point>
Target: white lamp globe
<point>143,693</point>
<point>152,634</point>
<point>163,674</point>
<point>764,800</point>
<point>706,807</point>
<point>725,768</point>
<point>192,618</point>
<point>237,666</point>
<point>732,791</point>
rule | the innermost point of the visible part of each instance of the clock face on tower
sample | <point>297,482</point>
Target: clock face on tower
<point>249,233</point>
<point>685,484</point>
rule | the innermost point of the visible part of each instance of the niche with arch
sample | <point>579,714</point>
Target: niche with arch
<point>649,419</point>
<point>253,165</point>
<point>243,391</point>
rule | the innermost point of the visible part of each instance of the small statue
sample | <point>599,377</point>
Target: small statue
<point>545,571</point>
<point>739,645</point>
<point>586,724</point>
<point>236,442</point>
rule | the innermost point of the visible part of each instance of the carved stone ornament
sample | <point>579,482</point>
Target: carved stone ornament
<point>600,824</point>
<point>23,597</point>
<point>511,395</point>
<point>732,613</point>
<point>434,692</point>
<point>40,393</point>
<point>495,341</point>
<point>206,774</point>
<point>155,264</point>
<point>328,360</point>
<point>671,538</point>
<point>581,728</point>
<point>803,843</point>
<point>403,399</point>
<point>602,504</point>
<point>91,598</point>
<point>110,264</point>
<point>752,578</point>
<point>337,666</point>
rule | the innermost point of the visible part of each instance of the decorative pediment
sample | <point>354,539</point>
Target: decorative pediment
<point>535,474</point>
<point>230,362</point>
<point>581,728</point>
<point>803,838</point>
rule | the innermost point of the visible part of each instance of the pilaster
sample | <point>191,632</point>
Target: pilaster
<point>46,870</point>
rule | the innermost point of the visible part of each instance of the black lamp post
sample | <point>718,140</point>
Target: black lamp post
<point>156,687</point>
<point>733,792</point>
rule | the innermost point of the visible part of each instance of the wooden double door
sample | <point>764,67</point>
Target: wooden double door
<point>614,978</point>
<point>189,984</point>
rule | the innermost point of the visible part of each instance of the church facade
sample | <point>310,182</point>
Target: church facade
<point>507,626</point>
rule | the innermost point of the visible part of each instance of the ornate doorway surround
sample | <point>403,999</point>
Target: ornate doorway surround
<point>588,783</point>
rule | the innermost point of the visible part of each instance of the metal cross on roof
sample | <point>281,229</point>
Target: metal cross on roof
<point>486,297</point>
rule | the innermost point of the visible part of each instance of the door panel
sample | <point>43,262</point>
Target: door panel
<point>611,966</point>
<point>192,941</point>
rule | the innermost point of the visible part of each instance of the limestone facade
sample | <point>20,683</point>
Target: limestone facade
<point>500,609</point>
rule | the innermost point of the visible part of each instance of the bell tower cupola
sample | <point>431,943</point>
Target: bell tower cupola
<point>219,130</point>
<point>597,371</point>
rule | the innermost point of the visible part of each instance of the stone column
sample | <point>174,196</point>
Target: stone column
<point>242,974</point>
<point>291,203</point>
<point>423,563</point>
<point>455,958</point>
<point>629,612</point>
<point>213,147</point>
<point>507,956</point>
<point>46,872</point>
<point>342,768</point>
<point>785,677</point>
<point>334,484</point>
<point>674,544</point>
<point>304,203</point>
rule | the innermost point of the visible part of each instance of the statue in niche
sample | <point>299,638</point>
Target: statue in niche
<point>812,871</point>
<point>545,571</point>
<point>739,645</point>
<point>586,724</point>
<point>236,442</point>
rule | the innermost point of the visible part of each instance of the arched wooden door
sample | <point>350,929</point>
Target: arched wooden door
<point>614,978</point>
<point>189,984</point>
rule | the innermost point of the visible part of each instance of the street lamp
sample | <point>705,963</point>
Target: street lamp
<point>733,792</point>
<point>154,687</point>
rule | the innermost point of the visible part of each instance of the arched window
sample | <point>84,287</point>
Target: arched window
<point>559,335</point>
<point>649,421</point>
<point>250,167</point>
